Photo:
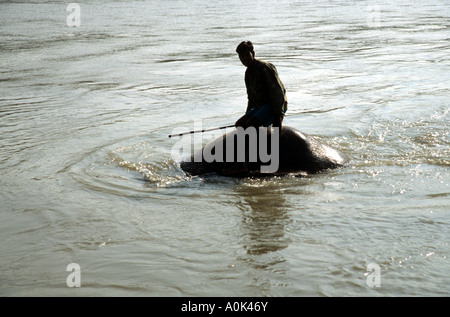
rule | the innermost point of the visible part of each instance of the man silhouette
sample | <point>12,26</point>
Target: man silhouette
<point>267,102</point>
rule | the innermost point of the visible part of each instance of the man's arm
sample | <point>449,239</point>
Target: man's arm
<point>276,90</point>
<point>250,103</point>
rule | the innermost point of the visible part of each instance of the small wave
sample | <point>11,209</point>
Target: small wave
<point>159,174</point>
<point>317,110</point>
<point>402,142</point>
<point>131,170</point>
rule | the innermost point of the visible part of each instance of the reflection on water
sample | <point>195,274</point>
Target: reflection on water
<point>262,230</point>
<point>264,216</point>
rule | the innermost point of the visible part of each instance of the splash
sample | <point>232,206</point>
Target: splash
<point>159,173</point>
<point>158,169</point>
<point>402,142</point>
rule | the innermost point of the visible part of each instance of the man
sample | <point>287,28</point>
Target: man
<point>267,102</point>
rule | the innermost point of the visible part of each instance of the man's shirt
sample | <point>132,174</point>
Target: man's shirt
<point>265,87</point>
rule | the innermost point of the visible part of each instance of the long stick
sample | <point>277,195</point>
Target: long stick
<point>229,126</point>
<point>198,131</point>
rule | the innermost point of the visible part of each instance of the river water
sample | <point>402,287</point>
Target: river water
<point>89,175</point>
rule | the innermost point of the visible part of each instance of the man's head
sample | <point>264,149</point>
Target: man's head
<point>246,53</point>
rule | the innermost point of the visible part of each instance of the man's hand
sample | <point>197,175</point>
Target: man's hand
<point>241,121</point>
<point>248,121</point>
